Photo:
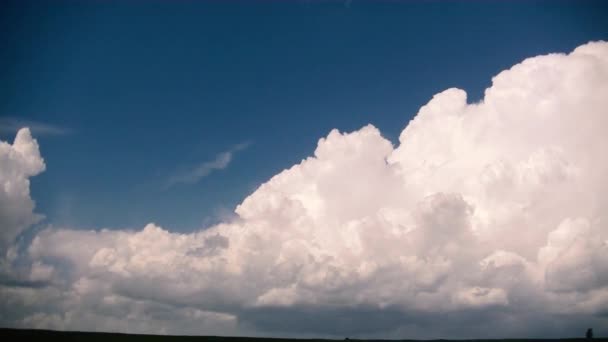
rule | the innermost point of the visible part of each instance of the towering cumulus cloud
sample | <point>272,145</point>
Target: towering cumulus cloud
<point>18,162</point>
<point>487,220</point>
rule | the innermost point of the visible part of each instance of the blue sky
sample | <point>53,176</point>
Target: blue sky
<point>124,96</point>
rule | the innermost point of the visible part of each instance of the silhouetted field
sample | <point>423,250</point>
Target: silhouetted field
<point>40,335</point>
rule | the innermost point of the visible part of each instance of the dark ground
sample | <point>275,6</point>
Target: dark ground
<point>38,335</point>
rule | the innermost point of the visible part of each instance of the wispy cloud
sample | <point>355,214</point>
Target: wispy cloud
<point>202,170</point>
<point>12,125</point>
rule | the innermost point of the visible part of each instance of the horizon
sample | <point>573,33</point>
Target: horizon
<point>61,332</point>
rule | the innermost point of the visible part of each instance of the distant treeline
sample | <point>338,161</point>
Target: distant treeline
<point>25,335</point>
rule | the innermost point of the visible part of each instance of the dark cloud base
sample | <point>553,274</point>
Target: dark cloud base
<point>368,322</point>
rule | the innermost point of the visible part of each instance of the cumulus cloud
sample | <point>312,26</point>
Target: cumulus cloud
<point>18,162</point>
<point>487,220</point>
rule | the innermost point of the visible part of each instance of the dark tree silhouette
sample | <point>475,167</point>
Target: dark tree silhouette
<point>589,333</point>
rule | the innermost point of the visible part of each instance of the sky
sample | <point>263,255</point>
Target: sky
<point>305,168</point>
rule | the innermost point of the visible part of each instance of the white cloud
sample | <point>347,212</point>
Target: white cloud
<point>221,161</point>
<point>18,162</point>
<point>493,213</point>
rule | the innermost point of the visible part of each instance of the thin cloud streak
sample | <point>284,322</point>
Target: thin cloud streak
<point>10,125</point>
<point>204,169</point>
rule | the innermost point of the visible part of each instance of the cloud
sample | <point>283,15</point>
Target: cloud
<point>487,220</point>
<point>18,162</point>
<point>10,125</point>
<point>221,161</point>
